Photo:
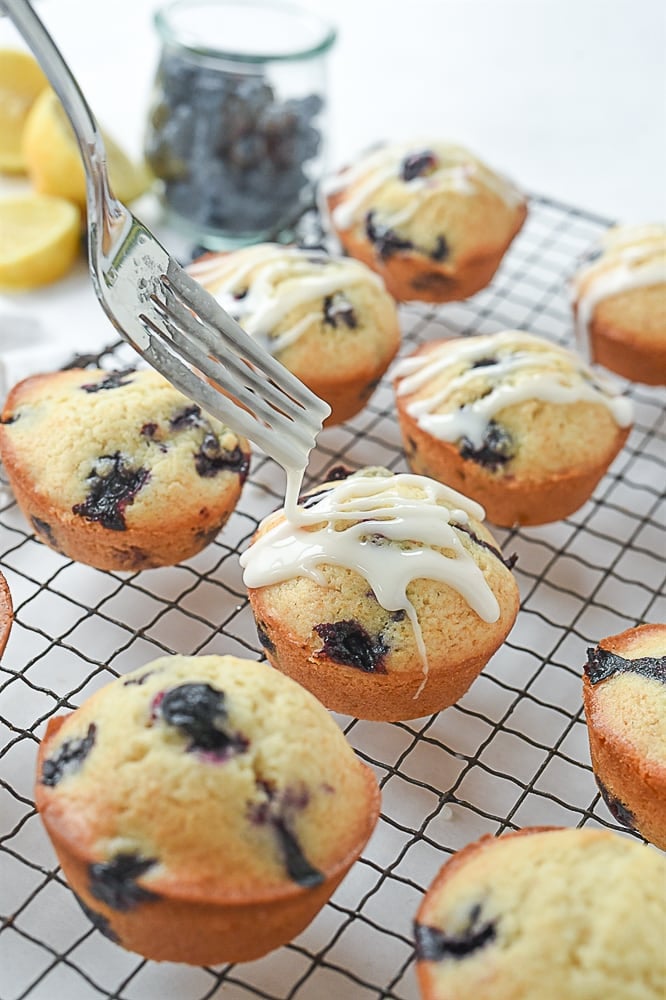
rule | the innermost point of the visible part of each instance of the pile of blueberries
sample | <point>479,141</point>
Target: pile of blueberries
<point>231,154</point>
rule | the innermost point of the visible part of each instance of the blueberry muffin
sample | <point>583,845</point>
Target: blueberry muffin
<point>516,423</point>
<point>545,914</point>
<point>329,320</point>
<point>118,469</point>
<point>430,218</point>
<point>619,299</point>
<point>624,692</point>
<point>382,594</point>
<point>203,809</point>
<point>6,613</point>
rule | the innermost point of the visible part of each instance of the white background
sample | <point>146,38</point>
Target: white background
<point>569,96</point>
<point>566,96</point>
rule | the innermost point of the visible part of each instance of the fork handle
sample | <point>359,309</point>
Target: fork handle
<point>60,77</point>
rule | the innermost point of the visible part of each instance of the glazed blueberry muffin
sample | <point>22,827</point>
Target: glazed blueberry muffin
<point>382,594</point>
<point>516,423</point>
<point>203,809</point>
<point>619,299</point>
<point>6,613</point>
<point>624,692</point>
<point>329,320</point>
<point>430,218</point>
<point>545,914</point>
<point>118,469</point>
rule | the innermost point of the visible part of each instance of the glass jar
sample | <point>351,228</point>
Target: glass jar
<point>236,134</point>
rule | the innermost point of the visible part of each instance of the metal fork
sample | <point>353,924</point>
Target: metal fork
<point>170,320</point>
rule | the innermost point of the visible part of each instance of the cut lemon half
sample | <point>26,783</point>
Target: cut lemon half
<point>21,81</point>
<point>54,163</point>
<point>39,240</point>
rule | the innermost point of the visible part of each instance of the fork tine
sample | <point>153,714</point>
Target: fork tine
<point>188,338</point>
<point>282,439</point>
<point>240,382</point>
<point>197,299</point>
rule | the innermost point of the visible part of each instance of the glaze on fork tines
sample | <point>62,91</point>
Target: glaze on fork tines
<point>268,404</point>
<point>169,319</point>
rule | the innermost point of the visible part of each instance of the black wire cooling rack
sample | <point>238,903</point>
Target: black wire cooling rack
<point>512,753</point>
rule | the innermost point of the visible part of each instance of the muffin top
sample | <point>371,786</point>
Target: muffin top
<point>209,777</point>
<point>405,540</point>
<point>117,446</point>
<point>308,308</point>
<point>376,522</point>
<point>548,914</point>
<point>625,259</point>
<point>627,690</point>
<point>421,196</point>
<point>511,401</point>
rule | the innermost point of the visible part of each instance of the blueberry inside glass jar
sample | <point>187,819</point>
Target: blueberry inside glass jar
<point>235,133</point>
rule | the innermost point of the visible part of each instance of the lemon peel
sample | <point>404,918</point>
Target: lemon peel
<point>53,159</point>
<point>21,81</point>
<point>39,240</point>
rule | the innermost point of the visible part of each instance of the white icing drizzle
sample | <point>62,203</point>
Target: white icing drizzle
<point>277,280</point>
<point>292,492</point>
<point>525,367</point>
<point>630,257</point>
<point>362,523</point>
<point>457,170</point>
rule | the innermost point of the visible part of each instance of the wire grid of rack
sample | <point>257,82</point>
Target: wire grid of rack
<point>512,753</point>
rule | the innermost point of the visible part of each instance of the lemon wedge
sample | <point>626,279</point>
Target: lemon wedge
<point>21,81</point>
<point>39,240</point>
<point>54,163</point>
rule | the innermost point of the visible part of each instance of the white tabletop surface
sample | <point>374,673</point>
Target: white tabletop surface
<point>566,96</point>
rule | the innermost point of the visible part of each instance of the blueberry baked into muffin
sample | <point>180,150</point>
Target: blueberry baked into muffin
<point>329,320</point>
<point>6,613</point>
<point>619,300</point>
<point>518,424</point>
<point>624,693</point>
<point>117,469</point>
<point>545,914</point>
<point>383,594</point>
<point>430,218</point>
<point>203,809</point>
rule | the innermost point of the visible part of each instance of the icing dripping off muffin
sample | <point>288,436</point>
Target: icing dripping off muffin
<point>391,529</point>
<point>625,258</point>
